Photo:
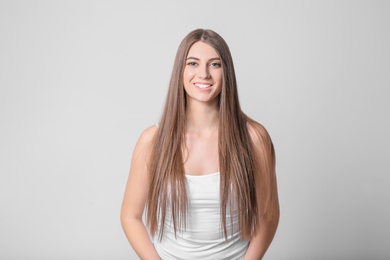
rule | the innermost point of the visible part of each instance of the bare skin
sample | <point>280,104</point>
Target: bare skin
<point>135,199</point>
<point>260,242</point>
<point>202,80</point>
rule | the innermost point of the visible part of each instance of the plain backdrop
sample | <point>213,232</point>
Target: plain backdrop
<point>80,80</point>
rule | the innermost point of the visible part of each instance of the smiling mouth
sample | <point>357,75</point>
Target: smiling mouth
<point>202,85</point>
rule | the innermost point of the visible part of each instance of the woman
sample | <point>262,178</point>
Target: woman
<point>206,172</point>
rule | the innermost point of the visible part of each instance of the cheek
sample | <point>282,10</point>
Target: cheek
<point>219,76</point>
<point>188,74</point>
<point>187,77</point>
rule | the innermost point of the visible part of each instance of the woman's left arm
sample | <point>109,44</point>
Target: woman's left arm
<point>260,242</point>
<point>267,194</point>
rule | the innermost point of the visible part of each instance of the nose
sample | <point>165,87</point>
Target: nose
<point>204,72</point>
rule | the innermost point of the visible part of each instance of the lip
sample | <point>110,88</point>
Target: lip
<point>202,85</point>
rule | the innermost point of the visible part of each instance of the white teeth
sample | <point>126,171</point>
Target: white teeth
<point>202,85</point>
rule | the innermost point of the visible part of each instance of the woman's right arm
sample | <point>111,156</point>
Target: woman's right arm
<point>135,198</point>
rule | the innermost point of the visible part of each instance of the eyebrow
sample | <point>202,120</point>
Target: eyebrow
<point>194,58</point>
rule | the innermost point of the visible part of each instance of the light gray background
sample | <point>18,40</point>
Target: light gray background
<point>80,80</point>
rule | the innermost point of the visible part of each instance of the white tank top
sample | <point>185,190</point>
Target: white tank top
<point>203,237</point>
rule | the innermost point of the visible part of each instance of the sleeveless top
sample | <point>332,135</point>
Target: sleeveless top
<point>203,237</point>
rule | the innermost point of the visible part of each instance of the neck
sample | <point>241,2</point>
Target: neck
<point>202,116</point>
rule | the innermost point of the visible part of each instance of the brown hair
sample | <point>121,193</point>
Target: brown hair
<point>237,159</point>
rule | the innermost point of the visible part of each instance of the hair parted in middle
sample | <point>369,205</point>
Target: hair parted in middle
<point>237,163</point>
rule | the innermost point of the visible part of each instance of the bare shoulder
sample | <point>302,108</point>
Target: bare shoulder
<point>148,134</point>
<point>145,140</point>
<point>258,133</point>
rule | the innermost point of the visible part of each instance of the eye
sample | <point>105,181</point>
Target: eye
<point>215,64</point>
<point>192,63</point>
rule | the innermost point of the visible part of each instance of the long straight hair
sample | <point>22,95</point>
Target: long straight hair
<point>238,162</point>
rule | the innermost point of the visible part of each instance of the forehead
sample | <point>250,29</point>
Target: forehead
<point>202,50</point>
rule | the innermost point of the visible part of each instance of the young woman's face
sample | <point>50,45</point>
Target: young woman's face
<point>203,73</point>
